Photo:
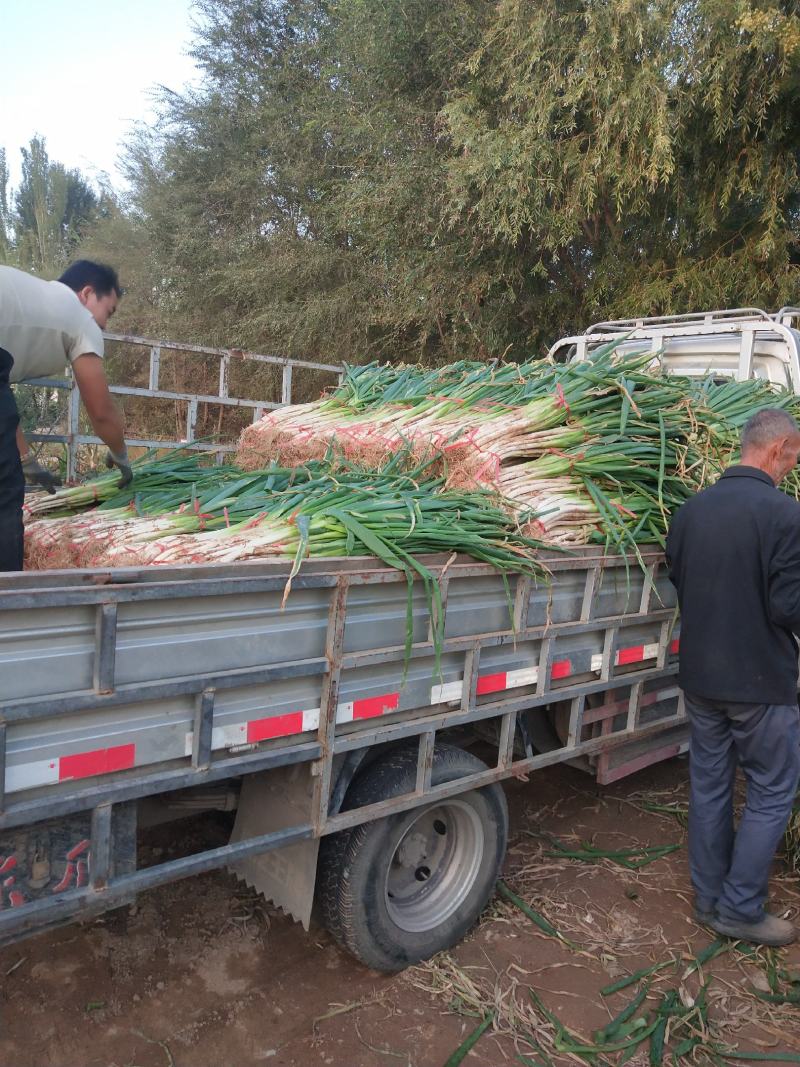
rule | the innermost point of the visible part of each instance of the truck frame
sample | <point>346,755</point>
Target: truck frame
<point>351,763</point>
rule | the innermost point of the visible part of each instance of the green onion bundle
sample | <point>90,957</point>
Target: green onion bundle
<point>474,418</point>
<point>491,460</point>
<point>291,513</point>
<point>315,510</point>
<point>602,449</point>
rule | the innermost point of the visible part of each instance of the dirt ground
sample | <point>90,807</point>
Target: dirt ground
<point>204,973</point>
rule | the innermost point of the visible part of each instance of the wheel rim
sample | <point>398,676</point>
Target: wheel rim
<point>434,866</point>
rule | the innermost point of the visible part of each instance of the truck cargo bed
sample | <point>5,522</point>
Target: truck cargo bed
<point>119,685</point>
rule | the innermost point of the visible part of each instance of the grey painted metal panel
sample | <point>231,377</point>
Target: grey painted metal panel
<point>167,647</point>
<point>120,685</point>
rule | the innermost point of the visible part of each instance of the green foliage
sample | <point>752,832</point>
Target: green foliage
<point>440,179</point>
<point>119,238</point>
<point>645,153</point>
<point>296,195</point>
<point>51,206</point>
<point>43,220</point>
<point>5,213</point>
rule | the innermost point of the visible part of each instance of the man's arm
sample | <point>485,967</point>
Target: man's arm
<point>784,581</point>
<point>104,415</point>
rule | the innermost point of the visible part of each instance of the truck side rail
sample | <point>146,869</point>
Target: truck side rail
<point>598,642</point>
<point>71,436</point>
<point>746,323</point>
<point>704,319</point>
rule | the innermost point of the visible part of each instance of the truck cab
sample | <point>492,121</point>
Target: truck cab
<point>739,343</point>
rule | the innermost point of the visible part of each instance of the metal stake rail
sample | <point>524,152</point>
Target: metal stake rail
<point>73,438</point>
<point>610,697</point>
<point>658,333</point>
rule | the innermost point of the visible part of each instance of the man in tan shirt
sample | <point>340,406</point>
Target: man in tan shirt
<point>43,327</point>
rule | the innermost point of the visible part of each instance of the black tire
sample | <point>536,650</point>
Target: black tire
<point>332,852</point>
<point>379,897</point>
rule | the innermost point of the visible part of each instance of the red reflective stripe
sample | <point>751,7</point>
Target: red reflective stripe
<point>675,646</point>
<point>275,726</point>
<point>491,683</point>
<point>630,655</point>
<point>561,669</point>
<point>372,706</point>
<point>101,761</point>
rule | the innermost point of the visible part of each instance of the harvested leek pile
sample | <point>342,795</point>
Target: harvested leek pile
<point>493,461</point>
<point>599,450</point>
<point>177,511</point>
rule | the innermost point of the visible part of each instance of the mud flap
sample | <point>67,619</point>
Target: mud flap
<point>275,800</point>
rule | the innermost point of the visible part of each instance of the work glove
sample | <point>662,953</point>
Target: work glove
<point>120,460</point>
<point>36,474</point>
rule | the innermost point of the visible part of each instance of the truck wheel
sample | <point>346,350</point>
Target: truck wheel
<point>400,889</point>
<point>332,852</point>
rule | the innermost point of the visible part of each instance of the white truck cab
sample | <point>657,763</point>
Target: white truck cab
<point>737,343</point>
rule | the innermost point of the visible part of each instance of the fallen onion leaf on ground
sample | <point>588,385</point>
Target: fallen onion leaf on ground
<point>470,1042</point>
<point>631,858</point>
<point>537,919</point>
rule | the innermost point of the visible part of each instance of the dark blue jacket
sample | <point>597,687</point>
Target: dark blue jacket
<point>734,556</point>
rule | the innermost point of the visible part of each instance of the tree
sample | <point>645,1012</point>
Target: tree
<point>6,222</point>
<point>51,206</point>
<point>117,236</point>
<point>294,196</point>
<point>447,178</point>
<point>631,157</point>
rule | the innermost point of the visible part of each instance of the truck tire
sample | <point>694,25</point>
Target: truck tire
<point>332,852</point>
<point>397,890</point>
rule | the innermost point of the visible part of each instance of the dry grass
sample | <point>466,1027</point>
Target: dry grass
<point>717,990</point>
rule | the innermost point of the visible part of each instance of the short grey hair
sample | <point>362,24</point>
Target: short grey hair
<point>766,426</point>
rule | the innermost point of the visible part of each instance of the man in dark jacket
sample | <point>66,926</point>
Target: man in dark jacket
<point>734,555</point>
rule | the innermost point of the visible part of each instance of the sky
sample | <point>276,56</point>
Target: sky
<point>80,75</point>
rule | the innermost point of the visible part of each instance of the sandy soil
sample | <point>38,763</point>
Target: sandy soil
<point>204,973</point>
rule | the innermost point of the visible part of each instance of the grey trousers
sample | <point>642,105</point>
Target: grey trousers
<point>730,869</point>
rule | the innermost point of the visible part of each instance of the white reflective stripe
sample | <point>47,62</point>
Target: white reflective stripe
<point>344,712</point>
<point>236,735</point>
<point>311,719</point>
<point>523,676</point>
<point>441,694</point>
<point>648,652</point>
<point>228,736</point>
<point>29,775</point>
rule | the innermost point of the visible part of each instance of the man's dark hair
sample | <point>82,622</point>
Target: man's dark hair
<point>765,426</point>
<point>84,272</point>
